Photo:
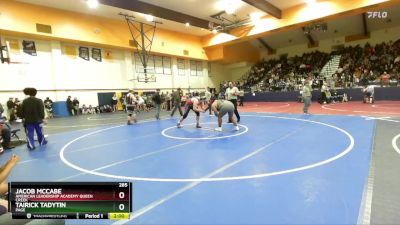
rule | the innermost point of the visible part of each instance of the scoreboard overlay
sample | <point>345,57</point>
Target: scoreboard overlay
<point>70,200</point>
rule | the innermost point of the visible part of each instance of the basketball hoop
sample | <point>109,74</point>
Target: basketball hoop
<point>143,39</point>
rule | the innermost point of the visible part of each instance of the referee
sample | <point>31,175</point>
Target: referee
<point>231,94</point>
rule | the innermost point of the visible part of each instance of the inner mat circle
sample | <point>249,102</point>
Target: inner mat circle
<point>206,132</point>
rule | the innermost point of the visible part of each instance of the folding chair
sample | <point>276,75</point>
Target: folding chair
<point>14,132</point>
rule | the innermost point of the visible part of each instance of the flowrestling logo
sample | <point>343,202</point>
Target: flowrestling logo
<point>377,15</point>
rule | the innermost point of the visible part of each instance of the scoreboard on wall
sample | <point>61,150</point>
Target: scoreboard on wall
<point>70,200</point>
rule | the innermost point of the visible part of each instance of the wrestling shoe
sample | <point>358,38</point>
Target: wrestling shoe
<point>219,129</point>
<point>178,125</point>
<point>236,128</point>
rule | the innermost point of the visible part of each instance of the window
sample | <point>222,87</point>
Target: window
<point>159,64</point>
<point>193,70</point>
<point>139,65</point>
<point>196,68</point>
<point>199,68</point>
<point>150,64</point>
<point>181,67</point>
<point>167,65</point>
<point>155,64</point>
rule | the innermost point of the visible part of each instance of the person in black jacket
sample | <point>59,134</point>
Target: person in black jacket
<point>70,106</point>
<point>33,115</point>
<point>157,102</point>
<point>75,108</point>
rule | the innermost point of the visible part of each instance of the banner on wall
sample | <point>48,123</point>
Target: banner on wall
<point>84,53</point>
<point>70,51</point>
<point>108,55</point>
<point>96,54</point>
<point>29,47</point>
<point>14,46</point>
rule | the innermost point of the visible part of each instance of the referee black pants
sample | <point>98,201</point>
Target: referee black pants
<point>234,101</point>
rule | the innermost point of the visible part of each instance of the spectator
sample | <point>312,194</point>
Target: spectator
<point>168,101</point>
<point>18,110</point>
<point>384,79</point>
<point>70,106</point>
<point>177,101</point>
<point>6,138</point>
<point>306,94</point>
<point>75,108</point>
<point>84,109</point>
<point>157,102</point>
<point>114,102</point>
<point>123,101</point>
<point>33,115</point>
<point>11,109</point>
<point>1,112</point>
<point>48,105</point>
<point>91,110</point>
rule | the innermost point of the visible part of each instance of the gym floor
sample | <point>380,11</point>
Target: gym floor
<point>338,165</point>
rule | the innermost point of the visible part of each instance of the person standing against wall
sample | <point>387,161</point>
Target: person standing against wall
<point>33,115</point>
<point>114,103</point>
<point>70,106</point>
<point>231,94</point>
<point>157,102</point>
<point>306,94</point>
<point>75,103</point>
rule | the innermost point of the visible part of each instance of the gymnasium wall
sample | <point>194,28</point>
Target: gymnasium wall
<point>57,74</point>
<point>378,36</point>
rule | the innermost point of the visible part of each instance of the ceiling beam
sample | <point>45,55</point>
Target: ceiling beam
<point>365,25</point>
<point>266,45</point>
<point>311,40</point>
<point>266,7</point>
<point>156,11</point>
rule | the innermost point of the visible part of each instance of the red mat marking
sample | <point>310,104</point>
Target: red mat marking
<point>381,108</point>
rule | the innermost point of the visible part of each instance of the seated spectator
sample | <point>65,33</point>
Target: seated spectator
<point>84,109</point>
<point>91,110</point>
<point>5,138</point>
<point>326,97</point>
<point>97,109</point>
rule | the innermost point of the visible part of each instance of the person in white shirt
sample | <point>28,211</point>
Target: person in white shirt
<point>141,105</point>
<point>84,109</point>
<point>231,94</point>
<point>91,110</point>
